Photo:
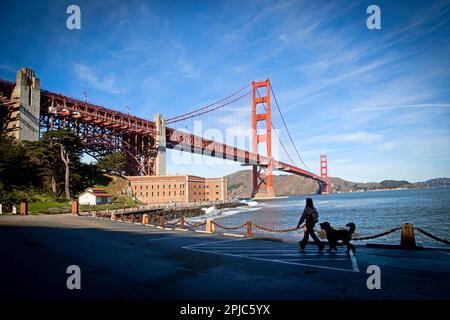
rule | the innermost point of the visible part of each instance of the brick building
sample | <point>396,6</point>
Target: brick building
<point>179,189</point>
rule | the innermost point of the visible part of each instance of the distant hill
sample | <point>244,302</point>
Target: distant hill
<point>240,184</point>
<point>438,183</point>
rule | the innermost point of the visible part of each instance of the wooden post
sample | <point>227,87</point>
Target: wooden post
<point>24,208</point>
<point>74,207</point>
<point>182,222</point>
<point>145,219</point>
<point>249,229</point>
<point>210,225</point>
<point>407,240</point>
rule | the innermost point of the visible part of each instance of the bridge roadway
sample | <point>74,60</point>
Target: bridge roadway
<point>122,260</point>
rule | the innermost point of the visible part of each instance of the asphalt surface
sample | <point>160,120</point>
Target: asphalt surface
<point>120,260</point>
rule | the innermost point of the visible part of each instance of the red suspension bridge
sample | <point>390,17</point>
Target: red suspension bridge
<point>144,142</point>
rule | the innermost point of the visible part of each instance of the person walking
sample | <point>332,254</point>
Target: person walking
<point>310,216</point>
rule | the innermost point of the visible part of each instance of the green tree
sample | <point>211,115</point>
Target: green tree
<point>12,158</point>
<point>46,161</point>
<point>114,162</point>
<point>66,143</point>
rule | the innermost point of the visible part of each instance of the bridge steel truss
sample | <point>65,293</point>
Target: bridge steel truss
<point>102,130</point>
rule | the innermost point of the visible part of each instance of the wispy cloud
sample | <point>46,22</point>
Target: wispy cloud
<point>352,137</point>
<point>105,83</point>
<point>406,106</point>
<point>7,67</point>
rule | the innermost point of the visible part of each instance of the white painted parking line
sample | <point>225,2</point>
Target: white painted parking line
<point>354,262</point>
<point>233,248</point>
<point>175,237</point>
<point>206,243</point>
<point>306,265</point>
<point>285,254</point>
<point>167,238</point>
<point>337,259</point>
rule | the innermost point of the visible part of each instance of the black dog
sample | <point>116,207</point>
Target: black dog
<point>334,236</point>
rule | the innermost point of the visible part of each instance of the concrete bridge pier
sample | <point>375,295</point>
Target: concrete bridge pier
<point>160,140</point>
<point>23,122</point>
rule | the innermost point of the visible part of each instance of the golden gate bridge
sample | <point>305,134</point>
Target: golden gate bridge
<point>144,142</point>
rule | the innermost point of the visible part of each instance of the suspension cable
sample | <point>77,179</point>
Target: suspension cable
<point>287,130</point>
<point>173,119</point>
<point>215,108</point>
<point>279,138</point>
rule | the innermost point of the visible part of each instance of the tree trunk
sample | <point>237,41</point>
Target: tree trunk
<point>54,184</point>
<point>66,160</point>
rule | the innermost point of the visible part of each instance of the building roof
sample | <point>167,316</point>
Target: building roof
<point>97,192</point>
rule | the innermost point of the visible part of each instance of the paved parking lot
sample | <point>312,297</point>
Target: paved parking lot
<point>276,252</point>
<point>122,260</point>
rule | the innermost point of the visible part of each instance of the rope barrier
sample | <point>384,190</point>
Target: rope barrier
<point>377,235</point>
<point>249,224</point>
<point>432,236</point>
<point>195,225</point>
<point>174,223</point>
<point>275,230</point>
<point>229,228</point>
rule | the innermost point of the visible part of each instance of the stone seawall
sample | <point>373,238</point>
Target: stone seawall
<point>177,213</point>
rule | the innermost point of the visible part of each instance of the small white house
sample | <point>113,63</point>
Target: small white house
<point>94,197</point>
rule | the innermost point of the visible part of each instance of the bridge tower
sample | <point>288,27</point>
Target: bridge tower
<point>23,123</point>
<point>262,172</point>
<point>324,188</point>
<point>160,140</point>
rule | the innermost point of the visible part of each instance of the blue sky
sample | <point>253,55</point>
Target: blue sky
<point>377,102</point>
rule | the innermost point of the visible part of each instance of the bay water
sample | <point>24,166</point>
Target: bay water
<point>373,212</point>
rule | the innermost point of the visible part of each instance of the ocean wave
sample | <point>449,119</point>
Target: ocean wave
<point>212,212</point>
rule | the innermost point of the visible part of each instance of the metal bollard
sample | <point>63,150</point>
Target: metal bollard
<point>249,229</point>
<point>24,208</point>
<point>182,222</point>
<point>74,207</point>
<point>210,225</point>
<point>407,240</point>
